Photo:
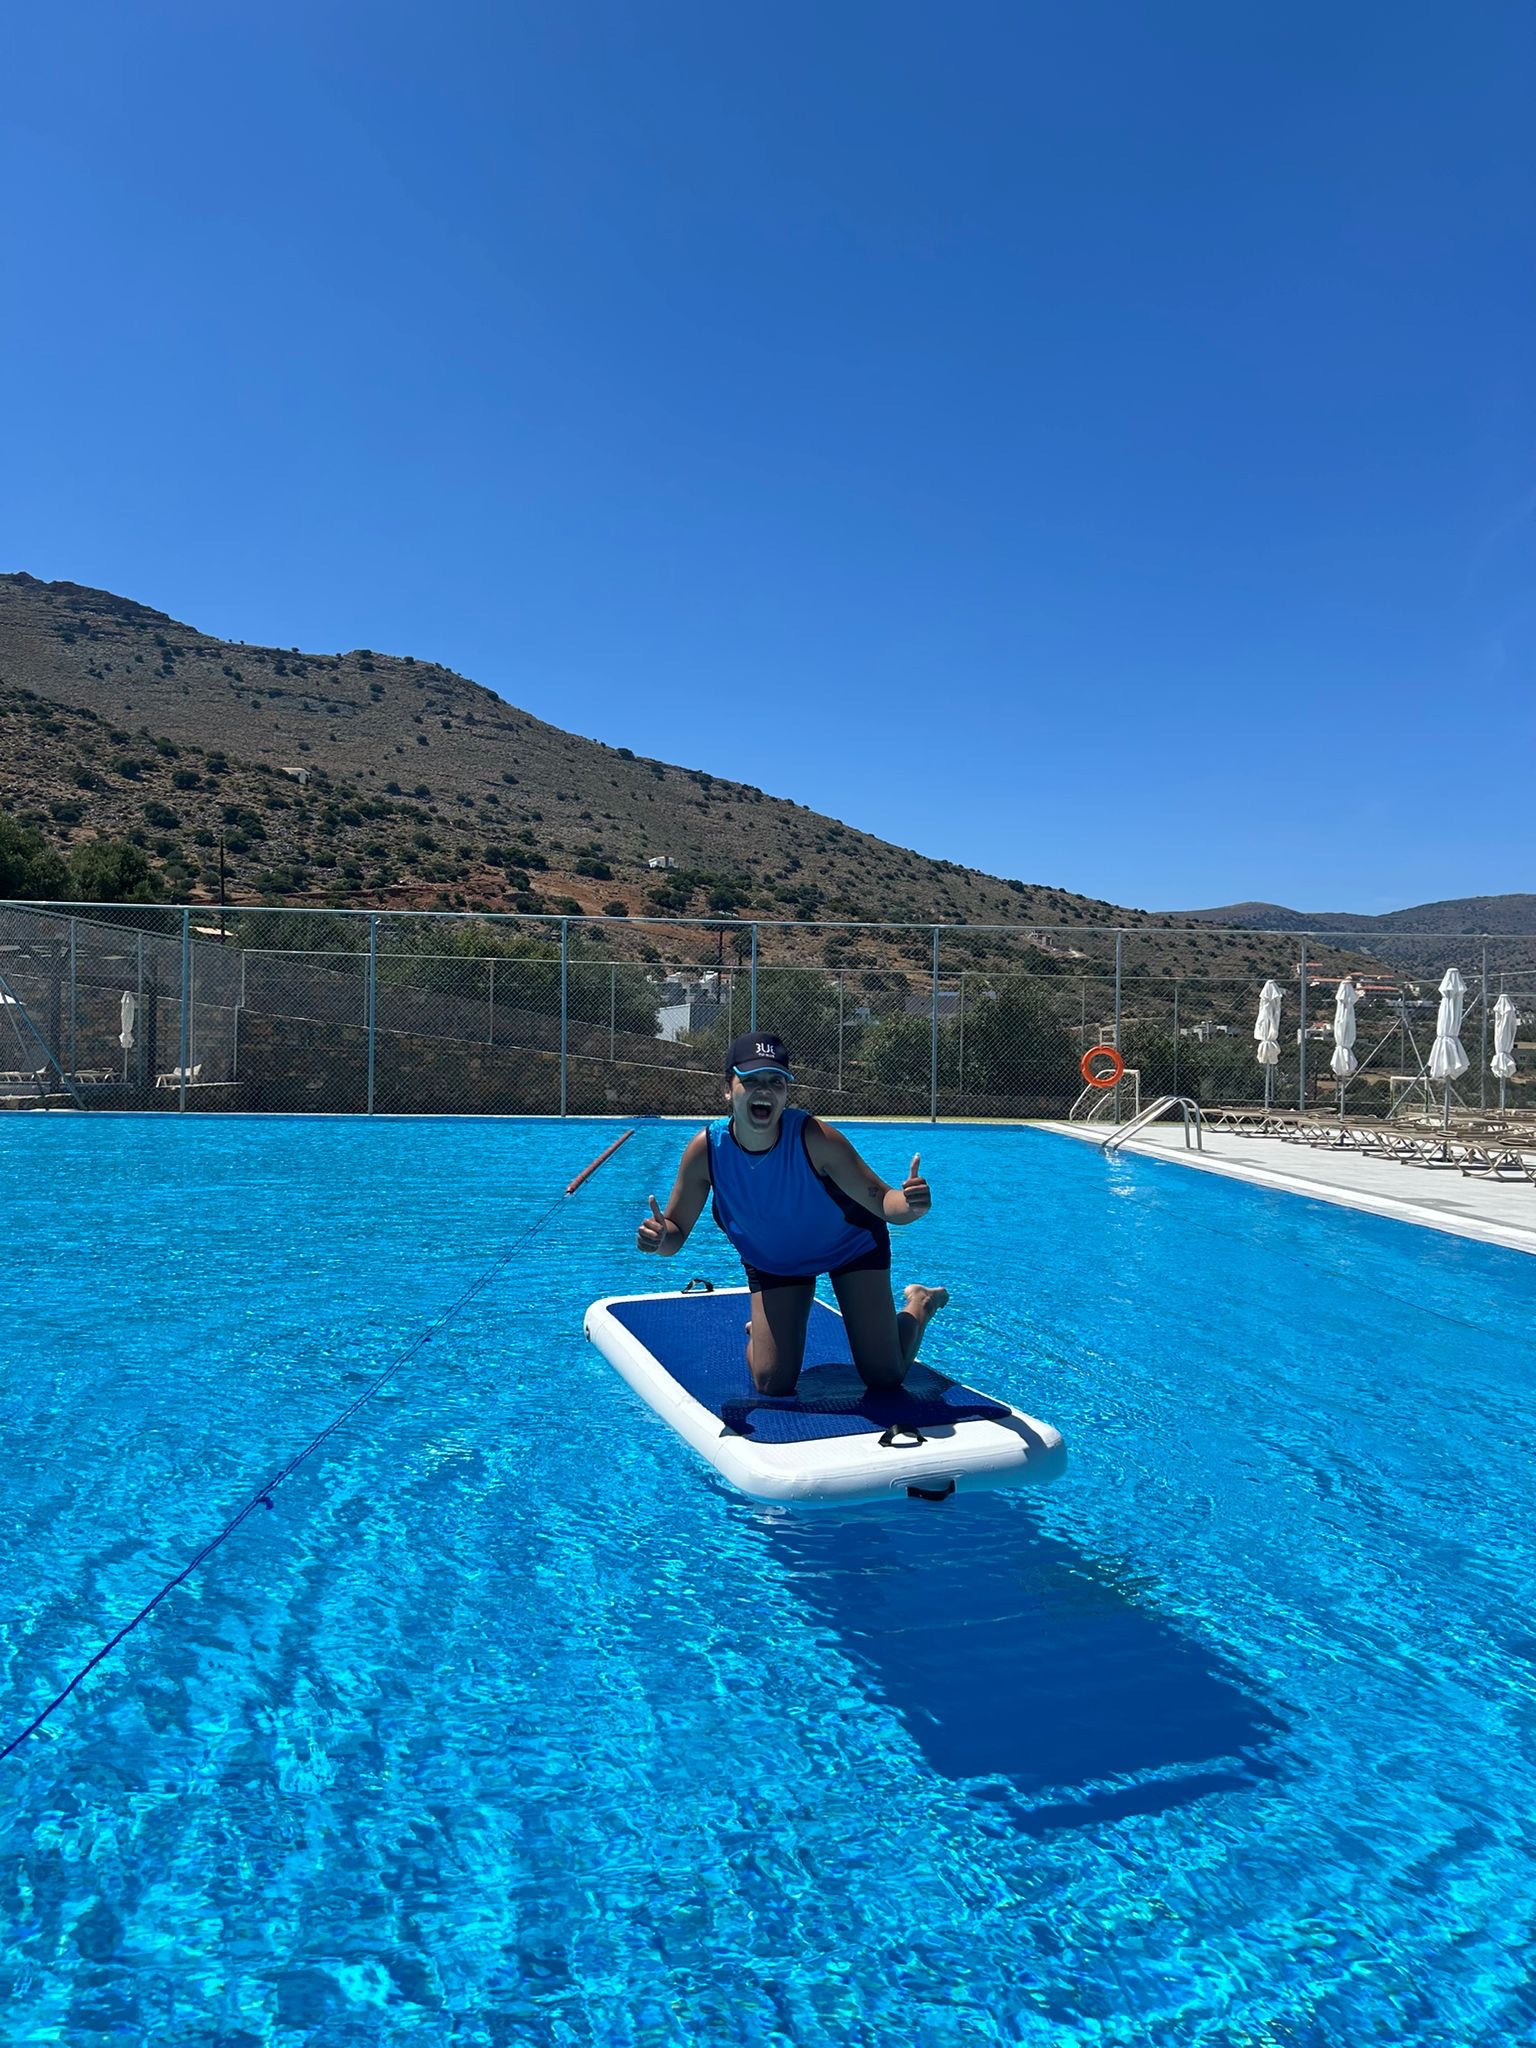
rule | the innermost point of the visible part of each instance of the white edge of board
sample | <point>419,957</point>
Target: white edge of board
<point>978,1455</point>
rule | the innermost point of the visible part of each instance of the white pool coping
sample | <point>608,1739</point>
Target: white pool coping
<point>1439,1198</point>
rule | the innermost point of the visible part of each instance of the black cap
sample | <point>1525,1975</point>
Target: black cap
<point>758,1052</point>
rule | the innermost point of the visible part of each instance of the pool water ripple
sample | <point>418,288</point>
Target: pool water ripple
<point>509,1725</point>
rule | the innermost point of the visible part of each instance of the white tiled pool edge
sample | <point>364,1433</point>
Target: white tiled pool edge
<point>1488,1211</point>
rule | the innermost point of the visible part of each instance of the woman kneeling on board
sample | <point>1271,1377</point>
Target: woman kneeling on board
<point>796,1201</point>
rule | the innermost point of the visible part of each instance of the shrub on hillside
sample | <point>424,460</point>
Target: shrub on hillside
<point>100,871</point>
<point>29,867</point>
<point>108,871</point>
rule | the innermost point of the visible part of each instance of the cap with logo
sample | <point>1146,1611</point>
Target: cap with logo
<point>758,1052</point>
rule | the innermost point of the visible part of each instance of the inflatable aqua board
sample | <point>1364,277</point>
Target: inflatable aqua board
<point>833,1441</point>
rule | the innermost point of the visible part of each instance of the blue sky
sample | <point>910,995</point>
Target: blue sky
<point>1096,442</point>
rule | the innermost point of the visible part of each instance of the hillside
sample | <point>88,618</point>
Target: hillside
<point>366,778</point>
<point>370,780</point>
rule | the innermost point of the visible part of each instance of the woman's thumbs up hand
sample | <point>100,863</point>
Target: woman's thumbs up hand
<point>915,1191</point>
<point>654,1230</point>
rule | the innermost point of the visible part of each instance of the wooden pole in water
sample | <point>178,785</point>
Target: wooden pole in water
<point>587,1172</point>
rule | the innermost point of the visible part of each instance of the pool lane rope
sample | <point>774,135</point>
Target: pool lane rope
<point>262,1498</point>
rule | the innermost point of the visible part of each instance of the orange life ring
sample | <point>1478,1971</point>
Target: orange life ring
<point>1101,1080</point>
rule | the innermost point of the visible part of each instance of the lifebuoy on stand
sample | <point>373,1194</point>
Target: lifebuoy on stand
<point>1098,1077</point>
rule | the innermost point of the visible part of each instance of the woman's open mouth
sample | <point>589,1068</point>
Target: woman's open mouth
<point>760,1112</point>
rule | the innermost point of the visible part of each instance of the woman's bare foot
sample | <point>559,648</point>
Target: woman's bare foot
<point>919,1306</point>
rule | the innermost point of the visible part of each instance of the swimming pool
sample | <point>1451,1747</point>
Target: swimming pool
<point>507,1725</point>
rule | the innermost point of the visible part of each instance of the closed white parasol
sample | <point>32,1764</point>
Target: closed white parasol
<point>1506,1020</point>
<point>1447,1057</point>
<point>1343,1062</point>
<point>127,1013</point>
<point>1266,1030</point>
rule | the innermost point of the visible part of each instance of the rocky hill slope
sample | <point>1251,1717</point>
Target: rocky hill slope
<point>369,778</point>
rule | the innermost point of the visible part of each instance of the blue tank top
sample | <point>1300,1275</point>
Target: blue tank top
<point>778,1211</point>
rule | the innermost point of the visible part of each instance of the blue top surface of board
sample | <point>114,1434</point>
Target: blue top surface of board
<point>700,1339</point>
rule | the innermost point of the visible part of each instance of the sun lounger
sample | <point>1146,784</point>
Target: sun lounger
<point>1337,1137</point>
<point>1402,1148</point>
<point>1494,1164</point>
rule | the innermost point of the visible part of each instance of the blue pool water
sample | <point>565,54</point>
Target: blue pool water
<point>508,1726</point>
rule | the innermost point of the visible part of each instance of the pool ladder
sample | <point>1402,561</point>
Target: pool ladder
<point>1095,1102</point>
<point>1150,1114</point>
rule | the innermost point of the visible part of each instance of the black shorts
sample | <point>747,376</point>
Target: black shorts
<point>876,1260</point>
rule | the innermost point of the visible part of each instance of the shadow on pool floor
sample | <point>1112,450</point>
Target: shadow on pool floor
<point>1017,1660</point>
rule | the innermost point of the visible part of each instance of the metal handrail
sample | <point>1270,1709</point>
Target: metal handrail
<point>1149,1115</point>
<point>1098,1102</point>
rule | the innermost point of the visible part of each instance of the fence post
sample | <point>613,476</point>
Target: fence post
<point>58,950</point>
<point>1119,952</point>
<point>842,976</point>
<point>490,1007</point>
<point>1175,1034</point>
<point>752,990</point>
<point>138,1065</point>
<point>74,992</point>
<point>1301,1091</point>
<point>186,1018</point>
<point>1482,1079</point>
<point>149,1068</point>
<point>933,1035</point>
<point>565,1008</point>
<point>373,998</point>
<point>613,1004</point>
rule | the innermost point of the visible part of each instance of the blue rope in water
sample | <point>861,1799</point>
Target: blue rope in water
<point>263,1495</point>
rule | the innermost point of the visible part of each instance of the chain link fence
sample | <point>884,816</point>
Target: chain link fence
<point>144,1007</point>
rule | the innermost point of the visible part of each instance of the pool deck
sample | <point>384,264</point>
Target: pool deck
<point>1441,1198</point>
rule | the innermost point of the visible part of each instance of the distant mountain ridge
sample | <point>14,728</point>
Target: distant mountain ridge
<point>1458,916</point>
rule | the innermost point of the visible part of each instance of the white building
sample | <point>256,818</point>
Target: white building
<point>690,1003</point>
